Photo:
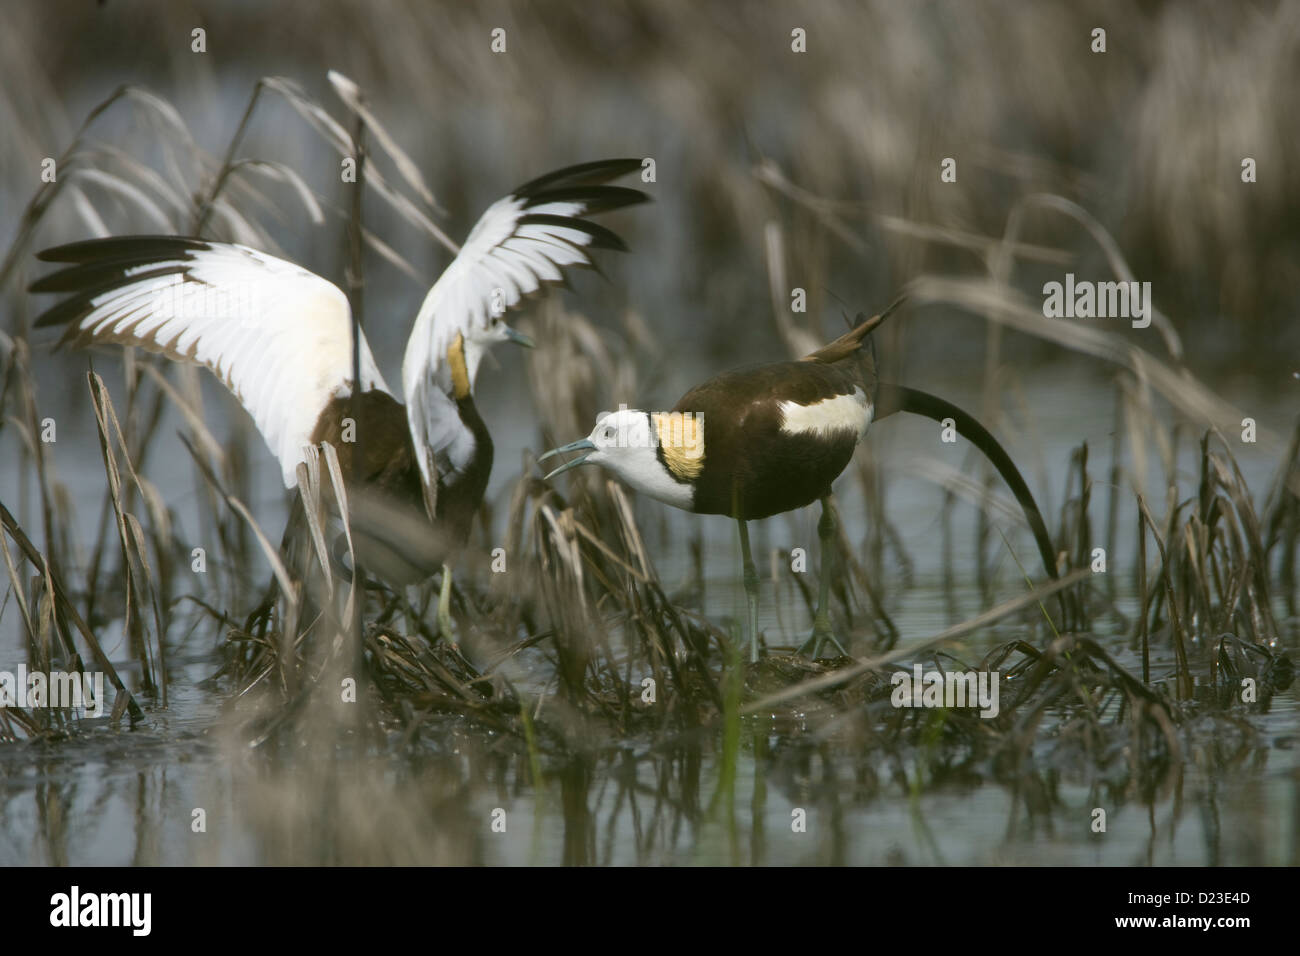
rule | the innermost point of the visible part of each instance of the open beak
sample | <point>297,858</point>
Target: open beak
<point>519,338</point>
<point>580,445</point>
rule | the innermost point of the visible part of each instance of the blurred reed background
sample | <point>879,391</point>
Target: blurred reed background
<point>774,169</point>
<point>1147,137</point>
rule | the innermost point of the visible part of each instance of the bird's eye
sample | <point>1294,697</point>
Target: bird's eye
<point>609,433</point>
<point>495,321</point>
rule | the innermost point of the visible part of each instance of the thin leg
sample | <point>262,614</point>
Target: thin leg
<point>751,589</point>
<point>259,619</point>
<point>444,604</point>
<point>822,621</point>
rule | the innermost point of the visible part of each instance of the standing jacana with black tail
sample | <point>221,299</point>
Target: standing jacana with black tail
<point>766,439</point>
<point>280,338</point>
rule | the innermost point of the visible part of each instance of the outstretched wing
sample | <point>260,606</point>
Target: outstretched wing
<point>520,244</point>
<point>278,336</point>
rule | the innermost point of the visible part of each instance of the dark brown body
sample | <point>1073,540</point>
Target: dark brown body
<point>752,469</point>
<point>395,537</point>
<point>380,457</point>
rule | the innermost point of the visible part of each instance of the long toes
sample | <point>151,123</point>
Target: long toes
<point>816,641</point>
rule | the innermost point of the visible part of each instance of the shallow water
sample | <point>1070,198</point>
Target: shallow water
<point>128,797</point>
<point>121,796</point>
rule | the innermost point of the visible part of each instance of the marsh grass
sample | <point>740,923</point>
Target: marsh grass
<point>550,660</point>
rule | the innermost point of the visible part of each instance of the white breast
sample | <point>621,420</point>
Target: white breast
<point>641,468</point>
<point>841,413</point>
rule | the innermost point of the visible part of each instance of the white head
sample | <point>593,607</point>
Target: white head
<point>481,336</point>
<point>659,454</point>
<point>482,326</point>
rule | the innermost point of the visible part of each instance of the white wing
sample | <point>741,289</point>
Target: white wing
<point>520,244</point>
<point>278,336</point>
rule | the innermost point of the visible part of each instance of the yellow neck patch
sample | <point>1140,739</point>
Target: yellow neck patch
<point>681,439</point>
<point>459,373</point>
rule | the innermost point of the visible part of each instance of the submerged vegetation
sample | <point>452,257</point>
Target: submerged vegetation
<point>572,660</point>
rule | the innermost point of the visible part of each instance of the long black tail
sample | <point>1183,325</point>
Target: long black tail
<point>899,398</point>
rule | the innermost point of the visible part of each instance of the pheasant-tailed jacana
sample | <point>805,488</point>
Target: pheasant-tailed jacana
<point>766,439</point>
<point>280,338</point>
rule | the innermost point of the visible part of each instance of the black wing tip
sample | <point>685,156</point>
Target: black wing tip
<point>96,278</point>
<point>583,174</point>
<point>601,238</point>
<point>49,283</point>
<point>54,282</point>
<point>94,266</point>
<point>72,310</point>
<point>595,199</point>
<point>142,248</point>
